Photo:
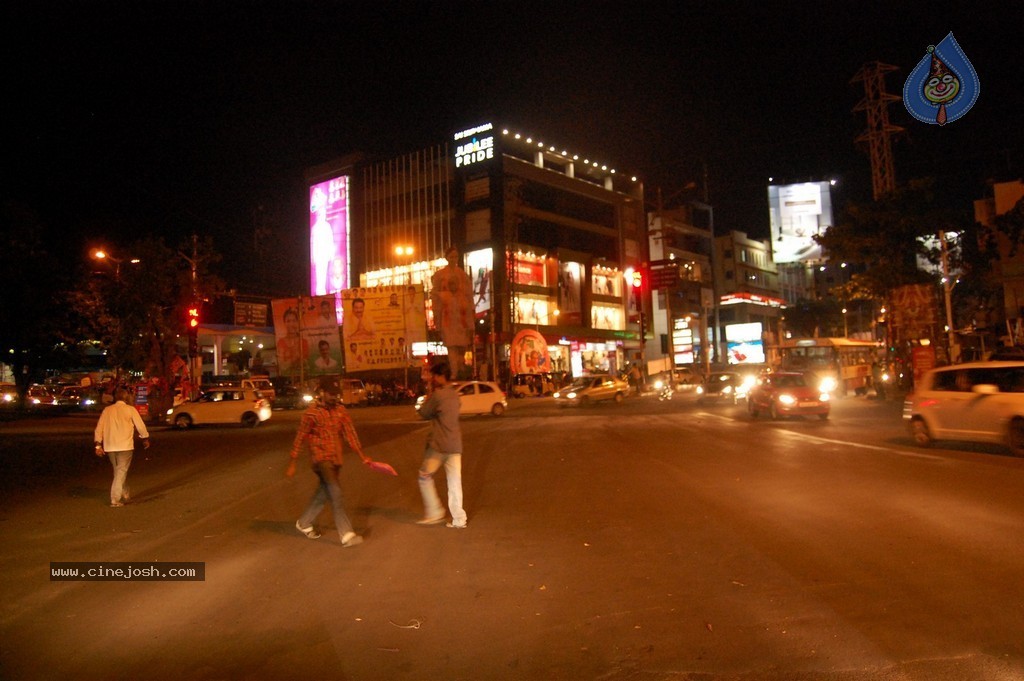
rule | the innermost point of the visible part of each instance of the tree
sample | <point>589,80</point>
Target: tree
<point>137,310</point>
<point>881,241</point>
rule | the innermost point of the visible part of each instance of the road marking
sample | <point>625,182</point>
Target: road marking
<point>878,448</point>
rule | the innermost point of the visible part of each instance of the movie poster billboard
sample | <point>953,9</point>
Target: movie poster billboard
<point>481,265</point>
<point>797,213</point>
<point>328,236</point>
<point>380,324</point>
<point>570,275</point>
<point>307,336</point>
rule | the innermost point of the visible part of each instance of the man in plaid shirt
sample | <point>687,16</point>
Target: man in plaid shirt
<point>322,427</point>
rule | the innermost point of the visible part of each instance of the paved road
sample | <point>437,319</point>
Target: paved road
<point>645,540</point>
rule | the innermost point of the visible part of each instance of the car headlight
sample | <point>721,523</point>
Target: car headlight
<point>87,401</point>
<point>727,390</point>
<point>170,411</point>
<point>787,400</point>
<point>827,385</point>
<point>700,390</point>
<point>658,385</point>
<point>8,398</point>
<point>307,398</point>
<point>571,395</point>
<point>885,377</point>
<point>824,397</point>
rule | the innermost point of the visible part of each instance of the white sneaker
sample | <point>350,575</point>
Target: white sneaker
<point>351,539</point>
<point>456,527</point>
<point>310,531</point>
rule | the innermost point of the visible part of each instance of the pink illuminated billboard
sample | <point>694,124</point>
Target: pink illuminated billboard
<point>328,236</point>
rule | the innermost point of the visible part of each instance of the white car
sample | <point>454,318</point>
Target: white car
<point>222,406</point>
<point>477,397</point>
<point>977,402</point>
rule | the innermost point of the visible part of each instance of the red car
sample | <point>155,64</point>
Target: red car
<point>788,393</point>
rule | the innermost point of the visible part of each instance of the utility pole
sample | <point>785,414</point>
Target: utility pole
<point>947,290</point>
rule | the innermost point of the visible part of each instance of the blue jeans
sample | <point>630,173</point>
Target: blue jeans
<point>432,462</point>
<point>328,489</point>
<point>121,461</point>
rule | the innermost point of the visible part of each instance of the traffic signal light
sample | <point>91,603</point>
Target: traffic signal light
<point>192,321</point>
<point>636,279</point>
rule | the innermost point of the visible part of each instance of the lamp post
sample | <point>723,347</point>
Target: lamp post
<point>102,255</point>
<point>846,330</point>
<point>405,252</point>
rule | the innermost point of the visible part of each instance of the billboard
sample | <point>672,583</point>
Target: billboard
<point>481,265</point>
<point>797,213</point>
<point>307,336</point>
<point>380,324</point>
<point>744,344</point>
<point>328,236</point>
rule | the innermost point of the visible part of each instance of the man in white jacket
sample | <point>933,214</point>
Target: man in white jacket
<point>115,437</point>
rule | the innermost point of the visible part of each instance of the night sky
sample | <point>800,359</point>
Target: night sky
<point>130,118</point>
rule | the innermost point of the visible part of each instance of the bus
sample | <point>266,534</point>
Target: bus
<point>847,361</point>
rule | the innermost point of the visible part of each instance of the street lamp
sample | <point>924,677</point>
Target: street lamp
<point>846,330</point>
<point>102,255</point>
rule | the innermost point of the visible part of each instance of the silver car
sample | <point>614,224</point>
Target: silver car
<point>976,402</point>
<point>590,389</point>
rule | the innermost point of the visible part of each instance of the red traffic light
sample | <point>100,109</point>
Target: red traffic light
<point>637,279</point>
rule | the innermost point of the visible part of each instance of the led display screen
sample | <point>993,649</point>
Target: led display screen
<point>328,236</point>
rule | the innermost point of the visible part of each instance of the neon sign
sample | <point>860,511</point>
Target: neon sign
<point>478,145</point>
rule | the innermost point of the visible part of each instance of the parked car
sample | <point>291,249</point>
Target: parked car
<point>724,386</point>
<point>221,406</point>
<point>477,397</point>
<point>591,389</point>
<point>40,397</point>
<point>78,397</point>
<point>8,395</point>
<point>976,402</point>
<point>788,393</point>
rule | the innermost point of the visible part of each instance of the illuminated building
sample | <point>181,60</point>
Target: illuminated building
<point>545,233</point>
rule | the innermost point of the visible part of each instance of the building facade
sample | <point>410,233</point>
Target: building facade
<point>545,234</point>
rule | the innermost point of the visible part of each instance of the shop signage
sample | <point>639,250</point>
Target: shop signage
<point>474,145</point>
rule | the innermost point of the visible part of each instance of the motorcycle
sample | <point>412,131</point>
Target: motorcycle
<point>664,390</point>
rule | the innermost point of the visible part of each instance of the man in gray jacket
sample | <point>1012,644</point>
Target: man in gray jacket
<point>444,447</point>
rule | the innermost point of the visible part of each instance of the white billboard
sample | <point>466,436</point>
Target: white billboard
<point>798,213</point>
